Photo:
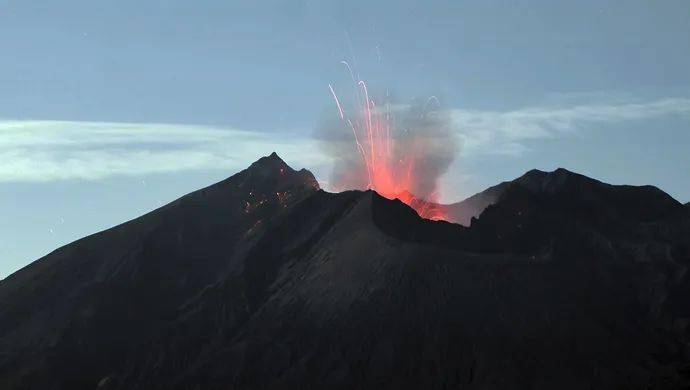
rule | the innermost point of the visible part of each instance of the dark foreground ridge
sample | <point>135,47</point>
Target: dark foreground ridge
<point>265,281</point>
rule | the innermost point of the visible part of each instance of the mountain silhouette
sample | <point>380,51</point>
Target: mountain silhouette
<point>265,281</point>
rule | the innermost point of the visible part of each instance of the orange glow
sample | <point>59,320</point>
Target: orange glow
<point>388,165</point>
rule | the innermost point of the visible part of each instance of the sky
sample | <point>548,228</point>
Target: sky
<point>109,109</point>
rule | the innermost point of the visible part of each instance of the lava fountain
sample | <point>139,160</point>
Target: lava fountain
<point>393,161</point>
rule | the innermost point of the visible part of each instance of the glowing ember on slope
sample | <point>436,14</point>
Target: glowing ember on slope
<point>390,162</point>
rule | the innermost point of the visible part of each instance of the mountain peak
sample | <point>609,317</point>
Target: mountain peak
<point>541,181</point>
<point>275,168</point>
<point>537,173</point>
<point>271,160</point>
<point>643,203</point>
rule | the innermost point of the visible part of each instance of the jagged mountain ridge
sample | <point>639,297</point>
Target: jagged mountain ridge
<point>561,282</point>
<point>540,182</point>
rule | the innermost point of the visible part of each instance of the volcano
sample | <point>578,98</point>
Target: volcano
<point>263,280</point>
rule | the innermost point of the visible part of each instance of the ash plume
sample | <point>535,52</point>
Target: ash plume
<point>423,143</point>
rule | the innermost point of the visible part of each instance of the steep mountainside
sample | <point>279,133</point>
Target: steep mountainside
<point>264,281</point>
<point>94,299</point>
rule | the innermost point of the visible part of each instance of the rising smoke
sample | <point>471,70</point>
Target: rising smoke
<point>419,145</point>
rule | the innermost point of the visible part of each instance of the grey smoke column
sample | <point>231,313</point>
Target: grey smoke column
<point>426,137</point>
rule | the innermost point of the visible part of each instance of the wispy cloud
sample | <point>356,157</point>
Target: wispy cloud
<point>508,132</point>
<point>58,150</point>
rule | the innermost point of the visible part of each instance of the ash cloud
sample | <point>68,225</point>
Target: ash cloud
<point>425,136</point>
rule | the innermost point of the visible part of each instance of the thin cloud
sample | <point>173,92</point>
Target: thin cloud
<point>39,151</point>
<point>508,132</point>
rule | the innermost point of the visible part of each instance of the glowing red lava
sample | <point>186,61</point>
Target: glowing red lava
<point>390,165</point>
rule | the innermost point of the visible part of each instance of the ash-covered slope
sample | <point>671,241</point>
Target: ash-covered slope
<point>76,313</point>
<point>563,282</point>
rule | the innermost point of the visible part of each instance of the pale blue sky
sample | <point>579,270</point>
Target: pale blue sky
<point>110,108</point>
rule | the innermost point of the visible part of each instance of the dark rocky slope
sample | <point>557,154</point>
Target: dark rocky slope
<point>264,281</point>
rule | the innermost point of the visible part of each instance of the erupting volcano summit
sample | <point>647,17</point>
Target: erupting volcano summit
<point>395,162</point>
<point>265,281</point>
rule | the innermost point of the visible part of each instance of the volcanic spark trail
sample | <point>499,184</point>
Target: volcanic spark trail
<point>389,160</point>
<point>337,102</point>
